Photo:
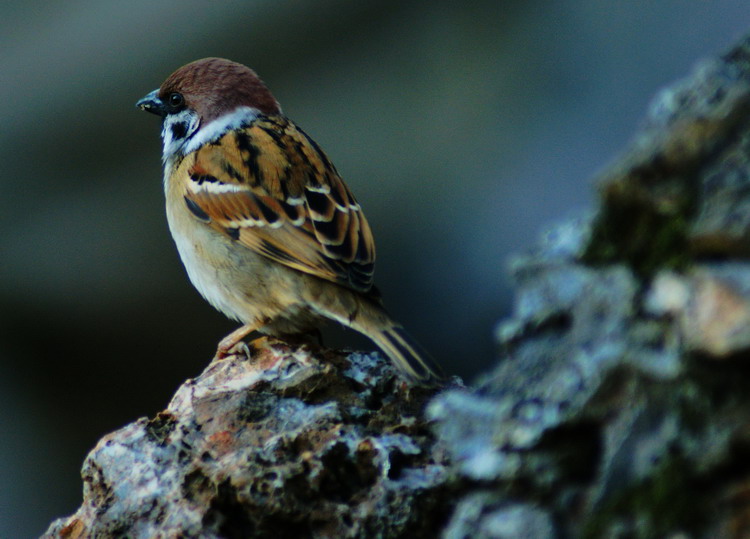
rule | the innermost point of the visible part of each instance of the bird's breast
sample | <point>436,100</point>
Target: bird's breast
<point>234,279</point>
<point>208,260</point>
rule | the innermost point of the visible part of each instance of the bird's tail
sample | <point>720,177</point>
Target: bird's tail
<point>367,317</point>
<point>414,362</point>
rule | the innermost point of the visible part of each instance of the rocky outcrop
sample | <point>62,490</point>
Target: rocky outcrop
<point>619,405</point>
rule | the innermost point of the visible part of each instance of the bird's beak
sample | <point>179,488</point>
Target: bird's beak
<point>151,103</point>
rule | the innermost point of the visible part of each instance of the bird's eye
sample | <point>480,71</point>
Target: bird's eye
<point>175,100</point>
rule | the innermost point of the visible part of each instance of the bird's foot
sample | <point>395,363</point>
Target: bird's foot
<point>233,345</point>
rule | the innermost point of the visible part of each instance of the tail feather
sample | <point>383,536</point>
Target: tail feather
<point>407,355</point>
<point>369,318</point>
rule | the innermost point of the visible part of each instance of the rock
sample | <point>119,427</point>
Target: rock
<point>711,304</point>
<point>619,406</point>
<point>291,443</point>
<point>484,516</point>
<point>607,414</point>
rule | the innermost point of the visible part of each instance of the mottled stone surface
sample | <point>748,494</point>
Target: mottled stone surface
<point>619,405</point>
<point>289,443</point>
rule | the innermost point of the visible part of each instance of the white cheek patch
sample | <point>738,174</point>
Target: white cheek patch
<point>181,136</point>
<point>212,132</point>
<point>176,130</point>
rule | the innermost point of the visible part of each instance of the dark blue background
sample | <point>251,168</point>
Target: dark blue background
<point>462,128</point>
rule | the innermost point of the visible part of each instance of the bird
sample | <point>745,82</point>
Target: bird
<point>269,233</point>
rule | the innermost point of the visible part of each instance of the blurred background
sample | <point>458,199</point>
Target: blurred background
<point>462,127</point>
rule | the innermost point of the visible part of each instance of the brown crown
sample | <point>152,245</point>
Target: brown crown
<point>215,86</point>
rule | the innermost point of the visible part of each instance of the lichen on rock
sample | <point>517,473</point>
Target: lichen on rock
<point>291,442</point>
<point>619,405</point>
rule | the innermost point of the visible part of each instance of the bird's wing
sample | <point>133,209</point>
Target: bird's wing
<point>270,188</point>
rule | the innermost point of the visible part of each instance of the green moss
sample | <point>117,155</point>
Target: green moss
<point>160,427</point>
<point>634,231</point>
<point>667,502</point>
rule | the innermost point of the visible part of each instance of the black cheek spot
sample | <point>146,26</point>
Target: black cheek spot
<point>179,130</point>
<point>196,210</point>
<point>234,233</point>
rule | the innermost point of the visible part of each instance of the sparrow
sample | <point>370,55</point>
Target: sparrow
<point>267,230</point>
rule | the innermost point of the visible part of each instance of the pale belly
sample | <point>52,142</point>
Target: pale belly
<point>238,282</point>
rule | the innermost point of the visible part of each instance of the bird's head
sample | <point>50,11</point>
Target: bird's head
<point>204,99</point>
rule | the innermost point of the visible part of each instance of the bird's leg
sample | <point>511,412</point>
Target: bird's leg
<point>227,345</point>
